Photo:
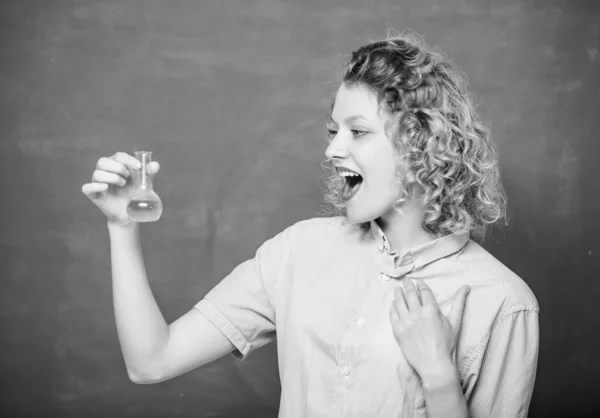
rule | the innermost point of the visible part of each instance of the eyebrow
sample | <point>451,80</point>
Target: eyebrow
<point>350,119</point>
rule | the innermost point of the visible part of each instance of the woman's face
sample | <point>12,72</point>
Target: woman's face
<point>358,142</point>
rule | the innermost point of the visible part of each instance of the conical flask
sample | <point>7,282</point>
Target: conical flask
<point>145,205</point>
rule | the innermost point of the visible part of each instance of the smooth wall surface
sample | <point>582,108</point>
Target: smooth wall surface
<point>231,96</point>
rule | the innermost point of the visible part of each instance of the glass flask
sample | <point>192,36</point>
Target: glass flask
<point>145,205</point>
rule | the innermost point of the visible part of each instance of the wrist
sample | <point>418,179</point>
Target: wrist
<point>124,226</point>
<point>443,392</point>
<point>440,375</point>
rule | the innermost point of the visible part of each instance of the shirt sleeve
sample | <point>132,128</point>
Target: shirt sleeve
<point>499,381</point>
<point>242,305</point>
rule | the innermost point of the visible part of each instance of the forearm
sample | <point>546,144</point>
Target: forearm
<point>443,393</point>
<point>141,326</point>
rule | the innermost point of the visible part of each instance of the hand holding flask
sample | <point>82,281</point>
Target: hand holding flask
<point>144,205</point>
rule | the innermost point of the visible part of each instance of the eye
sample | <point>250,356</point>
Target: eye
<point>358,133</point>
<point>330,132</point>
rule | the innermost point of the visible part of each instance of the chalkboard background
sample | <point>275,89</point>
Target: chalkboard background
<point>231,96</point>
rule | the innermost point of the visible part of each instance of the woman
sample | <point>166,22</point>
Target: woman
<point>389,308</point>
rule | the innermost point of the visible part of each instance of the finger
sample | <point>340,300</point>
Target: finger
<point>112,166</point>
<point>153,167</point>
<point>426,294</point>
<point>93,190</point>
<point>410,294</point>
<point>458,307</point>
<point>101,176</point>
<point>129,160</point>
<point>400,302</point>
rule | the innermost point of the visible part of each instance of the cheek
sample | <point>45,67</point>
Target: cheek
<point>392,171</point>
<point>384,180</point>
<point>394,176</point>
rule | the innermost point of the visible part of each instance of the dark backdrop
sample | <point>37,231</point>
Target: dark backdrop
<point>231,96</point>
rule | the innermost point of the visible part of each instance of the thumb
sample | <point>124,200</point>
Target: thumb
<point>458,307</point>
<point>153,167</point>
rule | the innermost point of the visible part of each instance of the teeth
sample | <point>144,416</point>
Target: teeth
<point>346,174</point>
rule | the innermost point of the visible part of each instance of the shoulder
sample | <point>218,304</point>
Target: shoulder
<point>320,223</point>
<point>320,235</point>
<point>311,235</point>
<point>323,228</point>
<point>495,282</point>
<point>500,302</point>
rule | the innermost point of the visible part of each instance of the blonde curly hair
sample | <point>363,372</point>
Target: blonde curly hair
<point>453,166</point>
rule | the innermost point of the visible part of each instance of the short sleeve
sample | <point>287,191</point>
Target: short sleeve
<point>242,305</point>
<point>499,381</point>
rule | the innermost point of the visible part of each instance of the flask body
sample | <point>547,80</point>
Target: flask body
<point>146,208</point>
<point>145,205</point>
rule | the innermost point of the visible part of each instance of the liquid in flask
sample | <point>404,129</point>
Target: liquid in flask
<point>144,205</point>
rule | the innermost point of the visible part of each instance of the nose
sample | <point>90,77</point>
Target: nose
<point>337,148</point>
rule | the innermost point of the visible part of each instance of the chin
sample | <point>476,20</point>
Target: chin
<point>356,217</point>
<point>359,214</point>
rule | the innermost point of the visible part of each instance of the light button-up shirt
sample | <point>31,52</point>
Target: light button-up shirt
<point>324,288</point>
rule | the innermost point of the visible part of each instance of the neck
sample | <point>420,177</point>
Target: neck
<point>403,229</point>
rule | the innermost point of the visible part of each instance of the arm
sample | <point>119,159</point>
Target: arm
<point>237,316</point>
<point>154,351</point>
<point>499,382</point>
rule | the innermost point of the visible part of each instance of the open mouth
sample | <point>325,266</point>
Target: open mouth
<point>353,181</point>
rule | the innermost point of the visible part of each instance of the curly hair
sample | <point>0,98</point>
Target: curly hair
<point>452,164</point>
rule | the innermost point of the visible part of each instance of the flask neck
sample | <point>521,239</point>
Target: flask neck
<point>143,179</point>
<point>144,182</point>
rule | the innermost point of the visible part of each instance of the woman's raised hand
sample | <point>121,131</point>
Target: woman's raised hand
<point>111,186</point>
<point>424,334</point>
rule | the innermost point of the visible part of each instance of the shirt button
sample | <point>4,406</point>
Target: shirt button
<point>345,370</point>
<point>360,322</point>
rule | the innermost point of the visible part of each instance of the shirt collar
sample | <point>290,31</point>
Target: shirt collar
<point>416,258</point>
